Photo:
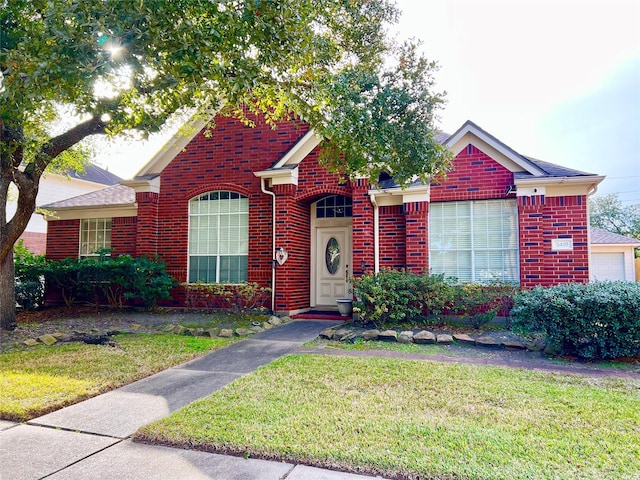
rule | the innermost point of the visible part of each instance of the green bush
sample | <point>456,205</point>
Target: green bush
<point>481,303</point>
<point>115,280</point>
<point>29,281</point>
<point>390,297</point>
<point>594,321</point>
<point>236,298</point>
<point>395,296</point>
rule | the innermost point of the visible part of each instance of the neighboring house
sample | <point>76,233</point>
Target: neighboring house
<point>612,256</point>
<point>54,187</point>
<point>252,204</point>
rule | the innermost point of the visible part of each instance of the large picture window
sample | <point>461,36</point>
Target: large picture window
<point>95,235</point>
<point>474,241</point>
<point>218,238</point>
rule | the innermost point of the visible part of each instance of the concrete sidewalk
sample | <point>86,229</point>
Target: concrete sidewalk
<point>91,439</point>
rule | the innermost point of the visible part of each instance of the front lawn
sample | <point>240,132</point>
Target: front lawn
<point>418,419</point>
<point>42,379</point>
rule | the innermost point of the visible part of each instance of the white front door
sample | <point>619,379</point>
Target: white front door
<point>332,264</point>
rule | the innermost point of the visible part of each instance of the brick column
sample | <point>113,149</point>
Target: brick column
<point>416,216</point>
<point>542,220</point>
<point>147,223</point>
<point>293,234</point>
<point>530,233</point>
<point>362,228</point>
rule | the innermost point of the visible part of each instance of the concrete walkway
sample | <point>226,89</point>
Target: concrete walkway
<point>92,439</point>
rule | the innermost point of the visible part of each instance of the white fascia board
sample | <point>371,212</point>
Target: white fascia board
<point>285,176</point>
<point>496,145</point>
<point>300,150</point>
<point>557,186</point>
<point>174,146</point>
<point>78,213</point>
<point>398,196</point>
<point>584,180</point>
<point>616,245</point>
<point>143,185</point>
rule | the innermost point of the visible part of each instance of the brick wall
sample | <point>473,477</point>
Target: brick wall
<point>63,237</point>
<point>124,236</point>
<point>476,177</point>
<point>225,160</point>
<point>36,242</point>
<point>392,237</point>
<point>416,219</point>
<point>363,237</point>
<point>543,219</point>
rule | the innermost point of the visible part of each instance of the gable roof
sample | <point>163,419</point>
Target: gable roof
<point>526,168</point>
<point>95,174</point>
<point>553,170</point>
<point>503,149</point>
<point>116,195</point>
<point>600,236</point>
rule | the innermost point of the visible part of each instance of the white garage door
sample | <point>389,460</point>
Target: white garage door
<point>607,266</point>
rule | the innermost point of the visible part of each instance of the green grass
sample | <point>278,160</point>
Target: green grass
<point>364,345</point>
<point>42,379</point>
<point>418,419</point>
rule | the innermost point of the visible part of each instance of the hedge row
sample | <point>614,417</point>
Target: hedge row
<point>117,280</point>
<point>593,321</point>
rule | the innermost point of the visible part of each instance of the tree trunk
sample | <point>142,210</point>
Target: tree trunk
<point>7,294</point>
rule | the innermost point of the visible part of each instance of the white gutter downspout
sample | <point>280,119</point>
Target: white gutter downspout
<point>273,243</point>
<point>592,191</point>
<point>376,233</point>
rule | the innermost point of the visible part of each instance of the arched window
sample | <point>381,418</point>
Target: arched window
<point>218,238</point>
<point>334,206</point>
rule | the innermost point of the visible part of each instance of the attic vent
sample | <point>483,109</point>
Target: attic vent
<point>469,149</point>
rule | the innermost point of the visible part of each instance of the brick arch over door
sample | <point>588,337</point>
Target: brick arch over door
<point>317,193</point>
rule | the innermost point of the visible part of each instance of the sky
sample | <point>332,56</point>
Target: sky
<point>557,80</point>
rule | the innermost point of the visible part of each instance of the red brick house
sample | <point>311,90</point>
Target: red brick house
<point>252,204</point>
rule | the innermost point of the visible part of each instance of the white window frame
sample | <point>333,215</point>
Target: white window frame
<point>204,247</point>
<point>101,230</point>
<point>509,241</point>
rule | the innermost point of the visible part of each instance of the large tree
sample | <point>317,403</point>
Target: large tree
<point>608,212</point>
<point>70,69</point>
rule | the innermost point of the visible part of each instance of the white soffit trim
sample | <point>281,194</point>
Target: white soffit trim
<point>174,146</point>
<point>496,149</point>
<point>398,196</point>
<point>557,186</point>
<point>143,185</point>
<point>284,176</point>
<point>581,180</point>
<point>300,150</point>
<point>79,213</point>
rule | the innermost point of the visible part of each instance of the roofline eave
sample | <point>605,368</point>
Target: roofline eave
<point>90,211</point>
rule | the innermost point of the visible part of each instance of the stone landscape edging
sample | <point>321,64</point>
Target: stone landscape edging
<point>345,333</point>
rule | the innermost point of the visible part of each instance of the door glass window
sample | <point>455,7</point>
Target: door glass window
<point>332,255</point>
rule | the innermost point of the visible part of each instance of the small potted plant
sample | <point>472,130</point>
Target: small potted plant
<point>345,306</point>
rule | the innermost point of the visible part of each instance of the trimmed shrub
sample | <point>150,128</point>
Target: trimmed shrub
<point>594,321</point>
<point>387,297</point>
<point>29,281</point>
<point>481,303</point>
<point>140,281</point>
<point>236,298</point>
<point>395,296</point>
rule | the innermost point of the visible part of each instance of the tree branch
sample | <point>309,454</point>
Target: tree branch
<point>59,144</point>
